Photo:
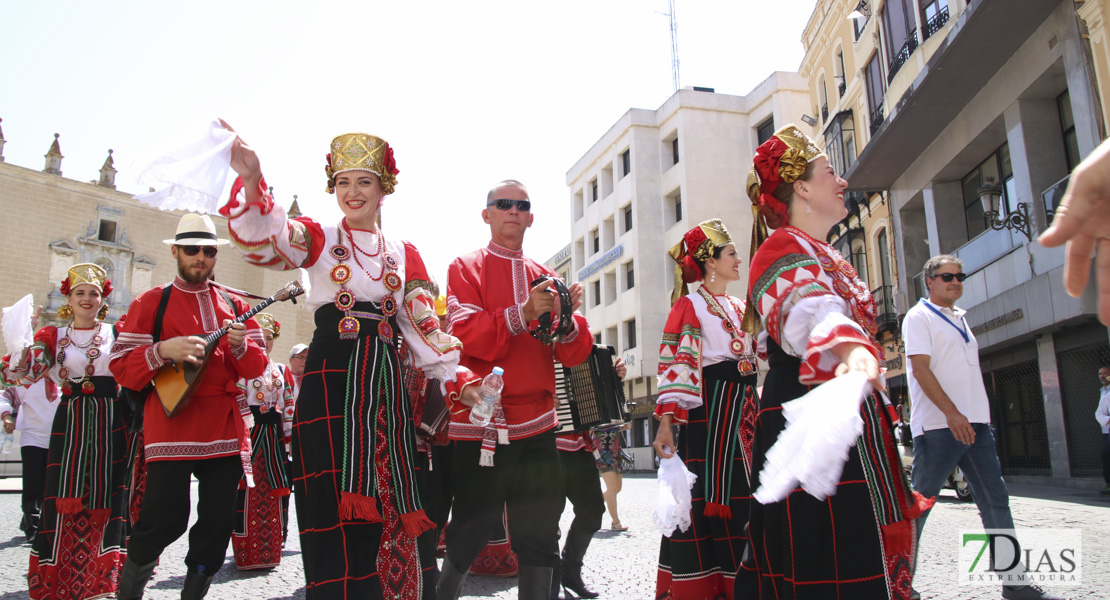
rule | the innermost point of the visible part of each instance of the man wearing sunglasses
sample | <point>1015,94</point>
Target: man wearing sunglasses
<point>513,462</point>
<point>950,412</point>
<point>205,437</point>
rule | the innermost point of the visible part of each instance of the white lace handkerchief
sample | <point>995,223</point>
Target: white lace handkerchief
<point>821,428</point>
<point>191,178</point>
<point>672,508</point>
<point>16,323</point>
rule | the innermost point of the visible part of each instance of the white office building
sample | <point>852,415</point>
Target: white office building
<point>645,182</point>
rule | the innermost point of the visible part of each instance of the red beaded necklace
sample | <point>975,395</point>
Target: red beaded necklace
<point>358,250</point>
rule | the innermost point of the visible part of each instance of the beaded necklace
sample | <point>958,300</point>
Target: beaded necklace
<point>92,351</point>
<point>345,299</point>
<point>845,281</point>
<point>736,345</point>
<point>270,380</point>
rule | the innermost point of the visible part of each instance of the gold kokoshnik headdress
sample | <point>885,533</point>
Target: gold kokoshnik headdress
<point>780,160</point>
<point>87,273</point>
<point>362,152</point>
<point>268,322</point>
<point>697,246</point>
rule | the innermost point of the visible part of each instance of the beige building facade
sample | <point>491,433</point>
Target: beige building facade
<point>52,222</point>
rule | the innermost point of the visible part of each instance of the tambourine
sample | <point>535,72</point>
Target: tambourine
<point>547,332</point>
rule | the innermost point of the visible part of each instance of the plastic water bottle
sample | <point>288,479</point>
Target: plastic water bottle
<point>490,395</point>
<point>7,441</point>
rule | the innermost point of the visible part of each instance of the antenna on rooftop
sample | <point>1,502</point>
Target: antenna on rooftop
<point>674,45</point>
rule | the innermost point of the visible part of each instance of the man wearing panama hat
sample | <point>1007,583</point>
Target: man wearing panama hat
<point>163,326</point>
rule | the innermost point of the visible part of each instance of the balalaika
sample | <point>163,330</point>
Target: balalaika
<point>590,395</point>
<point>175,383</point>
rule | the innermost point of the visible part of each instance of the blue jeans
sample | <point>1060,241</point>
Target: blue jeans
<point>937,452</point>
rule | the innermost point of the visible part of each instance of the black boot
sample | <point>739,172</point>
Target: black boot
<point>133,579</point>
<point>197,581</point>
<point>556,586</point>
<point>533,583</point>
<point>449,586</point>
<point>573,552</point>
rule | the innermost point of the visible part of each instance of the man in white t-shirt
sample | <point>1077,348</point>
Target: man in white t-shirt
<point>950,412</point>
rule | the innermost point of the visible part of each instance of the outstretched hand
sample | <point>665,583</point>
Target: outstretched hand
<point>244,160</point>
<point>1083,221</point>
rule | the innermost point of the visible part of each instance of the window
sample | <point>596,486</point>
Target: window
<point>626,163</point>
<point>579,205</point>
<point>823,99</point>
<point>593,191</point>
<point>884,258</point>
<point>677,207</point>
<point>108,228</point>
<point>674,150</point>
<point>628,218</point>
<point>630,333</point>
<point>840,142</point>
<point>934,14</point>
<point>610,280</point>
<point>1067,124</point>
<point>997,165</point>
<point>629,276</point>
<point>597,293</point>
<point>607,180</point>
<point>838,75</point>
<point>596,241</point>
<point>901,33</point>
<point>764,131</point>
<point>876,88</point>
<point>597,338</point>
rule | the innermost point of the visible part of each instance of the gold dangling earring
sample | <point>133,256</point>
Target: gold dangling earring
<point>103,312</point>
<point>65,312</point>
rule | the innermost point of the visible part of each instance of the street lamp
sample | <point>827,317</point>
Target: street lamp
<point>1018,220</point>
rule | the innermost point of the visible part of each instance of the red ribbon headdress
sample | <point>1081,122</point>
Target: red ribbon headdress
<point>697,245</point>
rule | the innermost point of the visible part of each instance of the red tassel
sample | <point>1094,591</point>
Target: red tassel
<point>356,506</point>
<point>68,506</point>
<point>919,505</point>
<point>712,509</point>
<point>279,492</point>
<point>416,523</point>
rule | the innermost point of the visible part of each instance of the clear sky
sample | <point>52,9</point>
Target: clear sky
<point>467,93</point>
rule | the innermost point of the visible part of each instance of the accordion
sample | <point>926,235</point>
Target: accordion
<point>589,395</point>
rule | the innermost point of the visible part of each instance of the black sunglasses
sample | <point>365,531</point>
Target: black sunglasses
<point>947,277</point>
<point>209,251</point>
<point>506,204</point>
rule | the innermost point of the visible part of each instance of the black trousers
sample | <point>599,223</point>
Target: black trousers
<point>164,515</point>
<point>525,479</point>
<point>582,486</point>
<point>1106,457</point>
<point>34,483</point>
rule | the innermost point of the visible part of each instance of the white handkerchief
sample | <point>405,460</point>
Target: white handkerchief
<point>16,324</point>
<point>190,178</point>
<point>673,506</point>
<point>821,429</point>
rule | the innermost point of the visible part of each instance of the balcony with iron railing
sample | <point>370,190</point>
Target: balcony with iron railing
<point>934,24</point>
<point>902,56</point>
<point>886,308</point>
<point>842,87</point>
<point>1052,197</point>
<point>877,118</point>
<point>824,112</point>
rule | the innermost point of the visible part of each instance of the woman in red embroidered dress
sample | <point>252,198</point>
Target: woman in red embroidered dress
<point>355,476</point>
<point>820,322</point>
<point>257,539</point>
<point>707,378</point>
<point>79,550</point>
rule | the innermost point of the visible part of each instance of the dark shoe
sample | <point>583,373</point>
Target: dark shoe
<point>133,579</point>
<point>533,583</point>
<point>1027,592</point>
<point>449,585</point>
<point>573,553</point>
<point>914,594</point>
<point>555,583</point>
<point>197,581</point>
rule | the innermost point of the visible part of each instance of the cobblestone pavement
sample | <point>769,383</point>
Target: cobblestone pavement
<point>621,566</point>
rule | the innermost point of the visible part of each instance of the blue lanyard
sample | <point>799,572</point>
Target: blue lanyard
<point>963,331</point>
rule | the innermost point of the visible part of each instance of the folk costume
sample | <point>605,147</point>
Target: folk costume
<point>354,449</point>
<point>860,542</point>
<point>707,378</point>
<point>34,406</point>
<point>207,439</point>
<point>256,539</point>
<point>578,452</point>
<point>512,461</point>
<point>80,546</point>
<point>609,449</point>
